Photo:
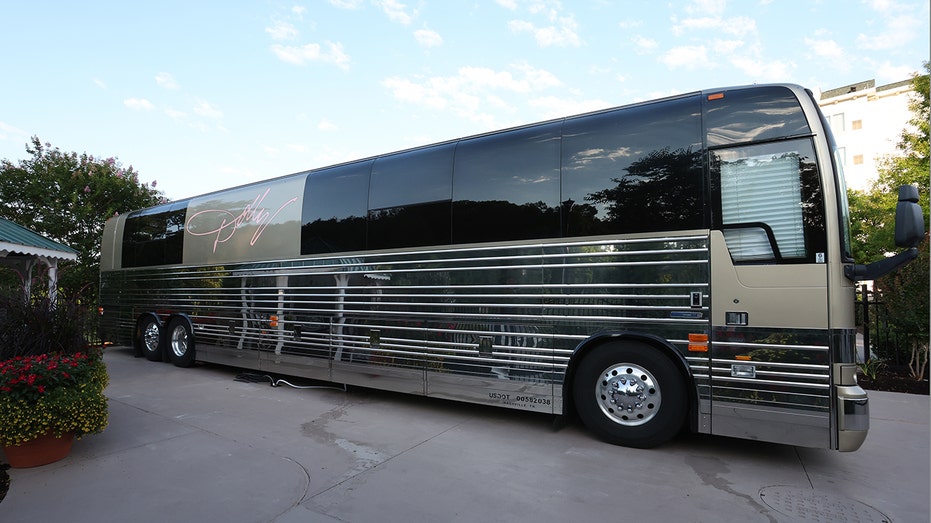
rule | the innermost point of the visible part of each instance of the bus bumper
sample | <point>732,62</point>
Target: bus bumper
<point>853,417</point>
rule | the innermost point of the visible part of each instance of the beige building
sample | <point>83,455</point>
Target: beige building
<point>866,121</point>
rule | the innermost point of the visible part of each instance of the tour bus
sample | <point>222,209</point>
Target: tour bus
<point>679,263</point>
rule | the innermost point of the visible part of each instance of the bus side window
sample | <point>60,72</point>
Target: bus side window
<point>636,169</point>
<point>506,186</point>
<point>335,207</point>
<point>154,236</point>
<point>770,203</point>
<point>410,198</point>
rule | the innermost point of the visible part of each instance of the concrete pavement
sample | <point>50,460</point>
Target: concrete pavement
<point>196,445</point>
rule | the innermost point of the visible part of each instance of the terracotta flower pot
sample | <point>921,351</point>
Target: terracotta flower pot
<point>41,451</point>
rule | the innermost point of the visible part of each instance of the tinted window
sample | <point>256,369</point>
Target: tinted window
<point>754,114</point>
<point>154,236</point>
<point>506,186</point>
<point>636,169</point>
<point>335,206</point>
<point>420,176</point>
<point>409,226</point>
<point>409,199</point>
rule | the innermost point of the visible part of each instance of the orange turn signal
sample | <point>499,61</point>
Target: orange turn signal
<point>698,342</point>
<point>273,321</point>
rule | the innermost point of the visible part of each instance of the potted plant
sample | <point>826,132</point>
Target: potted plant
<point>51,381</point>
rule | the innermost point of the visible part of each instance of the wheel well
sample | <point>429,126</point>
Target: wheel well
<point>184,317</point>
<point>655,342</point>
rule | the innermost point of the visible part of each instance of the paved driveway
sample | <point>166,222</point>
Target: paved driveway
<point>196,445</point>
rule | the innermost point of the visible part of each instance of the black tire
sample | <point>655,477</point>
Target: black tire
<point>149,338</point>
<point>180,342</point>
<point>630,394</point>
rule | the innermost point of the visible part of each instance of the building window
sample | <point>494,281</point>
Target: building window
<point>858,159</point>
<point>856,125</point>
<point>836,121</point>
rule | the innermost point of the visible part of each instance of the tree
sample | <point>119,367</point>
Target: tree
<point>906,291</point>
<point>68,197</point>
<point>871,211</point>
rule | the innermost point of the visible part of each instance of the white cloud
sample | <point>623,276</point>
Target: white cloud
<point>472,89</point>
<point>686,57</point>
<point>299,55</point>
<point>507,4</point>
<point>9,132</point>
<point>538,79</point>
<point>564,33</point>
<point>428,38</point>
<point>204,108</point>
<point>644,44</point>
<point>138,104</point>
<point>555,107</point>
<point>706,7</point>
<point>396,11</point>
<point>428,93</point>
<point>326,125</point>
<point>175,114</point>
<point>167,81</point>
<point>737,26</point>
<point>347,4</point>
<point>828,49</point>
<point>897,32</point>
<point>888,73</point>
<point>99,83</point>
<point>763,70</point>
<point>727,46</point>
<point>280,31</point>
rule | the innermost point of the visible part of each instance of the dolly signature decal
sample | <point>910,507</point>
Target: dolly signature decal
<point>229,223</point>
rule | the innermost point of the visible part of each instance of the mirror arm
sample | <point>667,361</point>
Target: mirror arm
<point>876,269</point>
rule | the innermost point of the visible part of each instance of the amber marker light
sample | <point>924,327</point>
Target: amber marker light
<point>715,96</point>
<point>742,357</point>
<point>698,342</point>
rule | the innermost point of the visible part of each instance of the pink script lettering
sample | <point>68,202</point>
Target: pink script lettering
<point>229,223</point>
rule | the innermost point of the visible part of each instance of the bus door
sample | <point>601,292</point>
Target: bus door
<point>770,349</point>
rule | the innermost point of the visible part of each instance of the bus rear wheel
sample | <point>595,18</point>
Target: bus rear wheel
<point>630,394</point>
<point>180,342</point>
<point>149,338</point>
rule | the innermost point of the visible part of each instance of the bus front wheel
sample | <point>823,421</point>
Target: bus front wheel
<point>630,394</point>
<point>180,342</point>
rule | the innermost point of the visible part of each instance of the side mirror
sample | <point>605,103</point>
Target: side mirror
<point>909,231</point>
<point>909,224</point>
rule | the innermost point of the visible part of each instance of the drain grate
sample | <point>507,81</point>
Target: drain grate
<point>811,505</point>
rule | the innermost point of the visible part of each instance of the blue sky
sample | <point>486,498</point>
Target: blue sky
<point>199,96</point>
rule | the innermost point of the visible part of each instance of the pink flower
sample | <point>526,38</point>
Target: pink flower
<point>87,189</point>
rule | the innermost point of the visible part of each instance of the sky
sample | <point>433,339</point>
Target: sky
<point>199,96</point>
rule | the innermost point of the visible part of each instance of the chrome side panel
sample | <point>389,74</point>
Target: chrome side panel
<point>491,324</point>
<point>772,384</point>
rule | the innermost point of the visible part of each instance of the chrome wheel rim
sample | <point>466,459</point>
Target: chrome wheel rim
<point>179,341</point>
<point>628,394</point>
<point>150,337</point>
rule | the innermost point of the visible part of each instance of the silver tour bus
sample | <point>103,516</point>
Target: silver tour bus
<point>683,262</point>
